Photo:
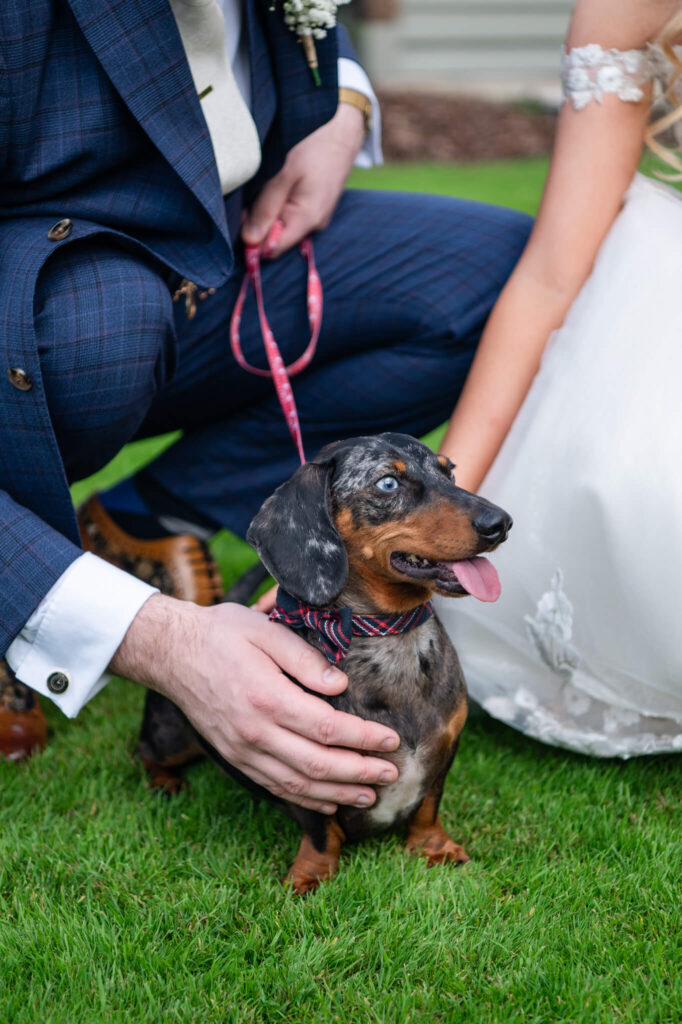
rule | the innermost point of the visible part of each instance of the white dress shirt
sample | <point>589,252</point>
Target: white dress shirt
<point>82,620</point>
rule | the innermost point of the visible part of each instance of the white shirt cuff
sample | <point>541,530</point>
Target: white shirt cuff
<point>75,631</point>
<point>353,76</point>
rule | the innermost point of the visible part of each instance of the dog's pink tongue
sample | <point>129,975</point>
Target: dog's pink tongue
<point>479,578</point>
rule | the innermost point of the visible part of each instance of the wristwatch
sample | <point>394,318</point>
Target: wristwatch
<point>360,102</point>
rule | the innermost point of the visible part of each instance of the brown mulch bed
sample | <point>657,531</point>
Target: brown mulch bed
<point>426,126</point>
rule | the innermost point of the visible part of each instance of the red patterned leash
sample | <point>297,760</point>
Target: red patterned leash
<point>279,373</point>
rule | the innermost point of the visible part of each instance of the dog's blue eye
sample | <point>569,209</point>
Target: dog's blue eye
<point>388,483</point>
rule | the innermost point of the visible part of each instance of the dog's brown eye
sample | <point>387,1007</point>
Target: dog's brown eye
<point>388,484</point>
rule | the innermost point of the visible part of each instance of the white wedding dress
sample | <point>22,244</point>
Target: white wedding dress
<point>584,647</point>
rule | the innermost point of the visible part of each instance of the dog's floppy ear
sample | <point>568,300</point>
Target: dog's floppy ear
<point>296,538</point>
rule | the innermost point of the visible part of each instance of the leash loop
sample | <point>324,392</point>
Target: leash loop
<point>278,372</point>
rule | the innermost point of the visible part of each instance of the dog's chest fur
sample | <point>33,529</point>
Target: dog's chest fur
<point>413,683</point>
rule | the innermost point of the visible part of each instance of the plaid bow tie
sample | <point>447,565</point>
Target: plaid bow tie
<point>336,627</point>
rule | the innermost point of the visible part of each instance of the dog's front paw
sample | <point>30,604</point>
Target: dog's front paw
<point>302,883</point>
<point>313,865</point>
<point>437,847</point>
<point>164,780</point>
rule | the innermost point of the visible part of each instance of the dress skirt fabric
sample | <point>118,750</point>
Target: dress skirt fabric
<point>584,648</point>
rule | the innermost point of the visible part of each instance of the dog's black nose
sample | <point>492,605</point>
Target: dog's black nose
<point>493,524</point>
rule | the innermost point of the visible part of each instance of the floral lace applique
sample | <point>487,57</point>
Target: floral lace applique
<point>551,628</point>
<point>588,72</point>
<point>571,714</point>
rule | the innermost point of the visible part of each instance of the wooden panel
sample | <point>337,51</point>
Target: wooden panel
<point>444,29</point>
<point>476,64</point>
<point>484,6</point>
<point>455,40</point>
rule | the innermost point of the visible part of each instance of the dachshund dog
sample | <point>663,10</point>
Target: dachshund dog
<point>359,540</point>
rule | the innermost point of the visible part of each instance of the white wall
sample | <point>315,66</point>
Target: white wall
<point>496,46</point>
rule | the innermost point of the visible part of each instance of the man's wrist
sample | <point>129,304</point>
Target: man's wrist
<point>148,653</point>
<point>358,100</point>
<point>352,126</point>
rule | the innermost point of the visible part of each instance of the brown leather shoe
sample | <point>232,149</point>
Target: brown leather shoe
<point>181,566</point>
<point>23,728</point>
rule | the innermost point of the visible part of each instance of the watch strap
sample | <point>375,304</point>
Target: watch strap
<point>360,102</point>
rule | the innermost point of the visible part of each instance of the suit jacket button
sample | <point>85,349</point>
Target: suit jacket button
<point>61,230</point>
<point>19,379</point>
<point>58,682</point>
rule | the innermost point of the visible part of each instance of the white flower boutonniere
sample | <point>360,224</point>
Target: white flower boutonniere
<point>310,20</point>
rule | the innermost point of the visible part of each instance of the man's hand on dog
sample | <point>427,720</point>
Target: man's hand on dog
<point>225,668</point>
<point>304,194</point>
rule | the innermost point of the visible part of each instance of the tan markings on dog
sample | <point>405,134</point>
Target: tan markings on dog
<point>367,551</point>
<point>455,724</point>
<point>426,837</point>
<point>382,594</point>
<point>399,466</point>
<point>453,728</point>
<point>443,746</point>
<point>163,778</point>
<point>312,866</point>
<point>183,757</point>
<point>444,461</point>
<point>344,521</point>
<point>426,814</point>
<point>439,532</point>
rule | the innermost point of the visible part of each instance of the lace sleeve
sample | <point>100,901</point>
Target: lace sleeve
<point>588,72</point>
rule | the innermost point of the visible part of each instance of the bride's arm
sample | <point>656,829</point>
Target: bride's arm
<point>596,154</point>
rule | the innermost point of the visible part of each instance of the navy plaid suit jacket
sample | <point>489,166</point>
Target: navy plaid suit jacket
<point>100,122</point>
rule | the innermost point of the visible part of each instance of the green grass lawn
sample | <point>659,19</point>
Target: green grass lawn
<point>117,905</point>
<point>516,183</point>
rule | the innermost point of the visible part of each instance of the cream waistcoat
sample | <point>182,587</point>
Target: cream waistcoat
<point>233,133</point>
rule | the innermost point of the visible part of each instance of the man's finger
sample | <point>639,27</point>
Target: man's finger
<point>315,719</point>
<point>294,656</point>
<point>266,209</point>
<point>298,221</point>
<point>290,784</point>
<point>272,786</point>
<point>329,764</point>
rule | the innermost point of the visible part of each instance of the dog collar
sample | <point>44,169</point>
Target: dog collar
<point>336,627</point>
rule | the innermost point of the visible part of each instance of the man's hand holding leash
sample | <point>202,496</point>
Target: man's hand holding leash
<point>306,191</point>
